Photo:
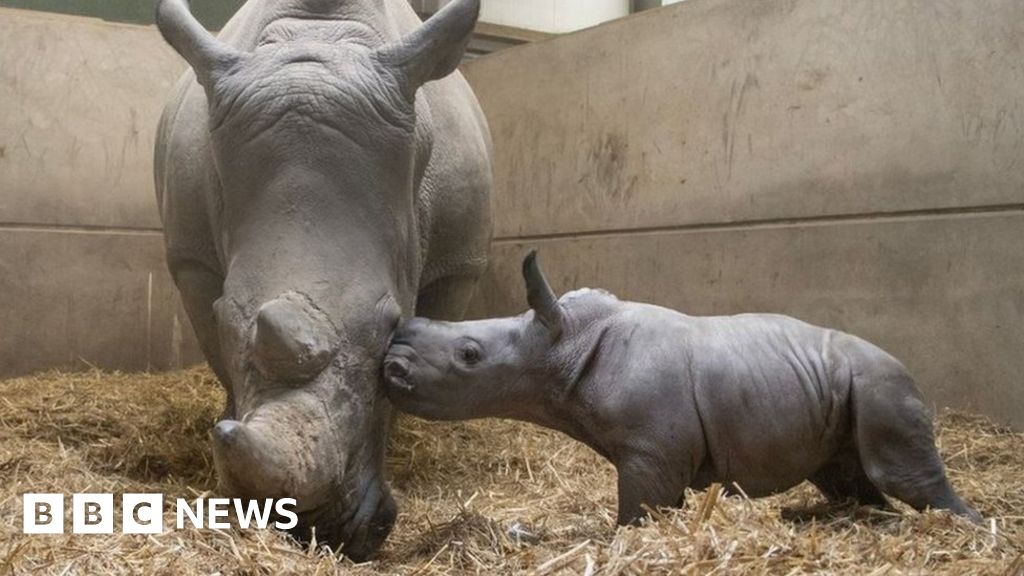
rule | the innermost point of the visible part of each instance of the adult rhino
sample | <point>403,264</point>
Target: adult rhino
<point>314,185</point>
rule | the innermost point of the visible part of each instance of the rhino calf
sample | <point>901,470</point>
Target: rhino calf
<point>676,401</point>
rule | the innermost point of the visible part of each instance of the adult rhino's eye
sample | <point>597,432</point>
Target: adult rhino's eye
<point>469,354</point>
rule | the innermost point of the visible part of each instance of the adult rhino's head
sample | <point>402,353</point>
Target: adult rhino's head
<point>313,139</point>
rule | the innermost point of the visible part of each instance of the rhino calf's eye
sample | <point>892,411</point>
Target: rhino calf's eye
<point>469,354</point>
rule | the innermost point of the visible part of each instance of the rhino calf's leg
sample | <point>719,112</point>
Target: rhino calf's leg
<point>894,437</point>
<point>843,479</point>
<point>642,481</point>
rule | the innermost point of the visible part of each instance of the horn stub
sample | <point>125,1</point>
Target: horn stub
<point>291,343</point>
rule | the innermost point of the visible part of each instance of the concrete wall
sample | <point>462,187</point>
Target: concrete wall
<point>81,254</point>
<point>855,164</point>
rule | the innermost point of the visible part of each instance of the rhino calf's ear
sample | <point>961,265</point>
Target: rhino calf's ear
<point>541,297</point>
<point>435,49</point>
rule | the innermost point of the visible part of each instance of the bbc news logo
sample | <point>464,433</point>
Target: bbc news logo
<point>144,513</point>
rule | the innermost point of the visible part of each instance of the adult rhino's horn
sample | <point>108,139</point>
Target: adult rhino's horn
<point>433,50</point>
<point>540,295</point>
<point>207,55</point>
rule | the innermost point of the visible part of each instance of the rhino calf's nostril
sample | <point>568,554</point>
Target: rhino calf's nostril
<point>396,369</point>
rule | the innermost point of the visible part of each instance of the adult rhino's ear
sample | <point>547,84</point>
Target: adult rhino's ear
<point>541,297</point>
<point>207,56</point>
<point>433,50</point>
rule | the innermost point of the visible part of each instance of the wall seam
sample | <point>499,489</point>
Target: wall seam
<point>799,222</point>
<point>80,229</point>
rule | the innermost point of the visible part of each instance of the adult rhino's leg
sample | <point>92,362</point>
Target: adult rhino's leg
<point>200,288</point>
<point>446,298</point>
<point>644,482</point>
<point>185,179</point>
<point>896,442</point>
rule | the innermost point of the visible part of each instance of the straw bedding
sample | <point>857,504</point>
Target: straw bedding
<point>481,497</point>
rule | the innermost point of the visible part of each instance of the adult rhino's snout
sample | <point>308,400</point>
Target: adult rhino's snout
<point>247,463</point>
<point>293,341</point>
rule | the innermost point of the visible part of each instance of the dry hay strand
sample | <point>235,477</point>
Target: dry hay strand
<point>487,497</point>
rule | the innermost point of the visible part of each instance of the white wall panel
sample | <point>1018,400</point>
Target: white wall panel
<point>552,15</point>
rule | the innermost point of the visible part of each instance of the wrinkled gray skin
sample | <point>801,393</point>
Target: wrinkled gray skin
<point>315,184</point>
<point>676,401</point>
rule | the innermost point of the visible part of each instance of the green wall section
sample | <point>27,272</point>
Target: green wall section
<point>212,13</point>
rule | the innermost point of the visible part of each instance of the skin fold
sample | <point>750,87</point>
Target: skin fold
<point>676,401</point>
<point>321,170</point>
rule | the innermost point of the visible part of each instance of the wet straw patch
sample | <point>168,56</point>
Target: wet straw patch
<point>487,497</point>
